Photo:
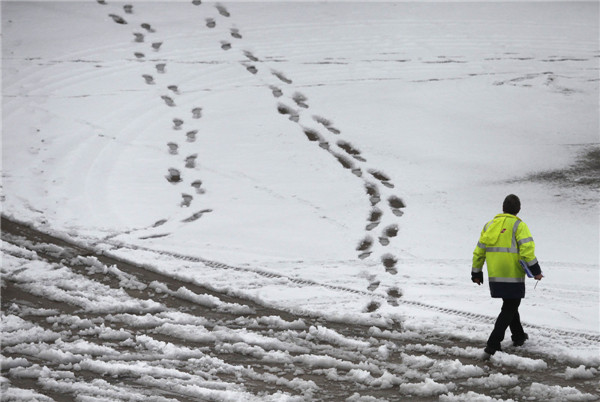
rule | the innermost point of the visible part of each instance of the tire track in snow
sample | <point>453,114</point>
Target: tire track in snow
<point>182,347</point>
<point>269,274</point>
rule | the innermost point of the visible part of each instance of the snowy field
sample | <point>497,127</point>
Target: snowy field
<point>331,160</point>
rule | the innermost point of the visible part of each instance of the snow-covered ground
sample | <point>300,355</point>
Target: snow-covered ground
<point>332,159</point>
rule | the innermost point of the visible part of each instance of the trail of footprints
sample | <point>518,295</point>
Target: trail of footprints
<point>327,137</point>
<point>143,36</point>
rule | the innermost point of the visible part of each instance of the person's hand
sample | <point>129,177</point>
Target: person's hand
<point>477,281</point>
<point>538,277</point>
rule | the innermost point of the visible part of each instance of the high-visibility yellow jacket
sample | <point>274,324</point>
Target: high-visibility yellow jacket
<point>504,241</point>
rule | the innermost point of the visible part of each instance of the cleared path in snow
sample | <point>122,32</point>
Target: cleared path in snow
<point>78,323</point>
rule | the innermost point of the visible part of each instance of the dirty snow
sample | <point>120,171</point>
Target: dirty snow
<point>335,161</point>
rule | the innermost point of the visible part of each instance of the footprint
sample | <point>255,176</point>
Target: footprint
<point>382,177</point>
<point>210,23</point>
<point>364,254</point>
<point>117,19</point>
<point>365,244</point>
<point>174,175</point>
<point>177,123</point>
<point>222,10</point>
<point>128,8</point>
<point>375,215</point>
<point>357,171</point>
<point>379,175</point>
<point>284,109</point>
<point>312,135</point>
<point>396,204</point>
<point>197,184</point>
<point>174,89</point>
<point>191,135</point>
<point>156,46</point>
<point>373,285</point>
<point>197,112</point>
<point>252,69</point>
<point>225,45</point>
<point>389,262</point>
<point>346,146</point>
<point>384,241</point>
<point>148,28</point>
<point>374,218</point>
<point>327,124</point>
<point>324,145</point>
<point>190,161</point>
<point>276,91</point>
<point>250,56</point>
<point>236,33</point>
<point>300,100</point>
<point>173,148</point>
<point>154,236</point>
<point>282,77</point>
<point>168,100</point>
<point>139,55</point>
<point>196,215</point>
<point>345,162</point>
<point>160,67</point>
<point>138,37</point>
<point>373,192</point>
<point>101,2</point>
<point>372,306</point>
<point>394,292</point>
<point>149,79</point>
<point>196,2</point>
<point>393,295</point>
<point>186,200</point>
<point>391,231</point>
<point>322,120</point>
<point>372,226</point>
<point>159,223</point>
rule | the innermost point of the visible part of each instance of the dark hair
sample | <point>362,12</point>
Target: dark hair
<point>511,204</point>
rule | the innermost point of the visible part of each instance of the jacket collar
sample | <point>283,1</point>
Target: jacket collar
<point>503,215</point>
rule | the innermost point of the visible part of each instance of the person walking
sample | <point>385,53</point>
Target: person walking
<point>504,243</point>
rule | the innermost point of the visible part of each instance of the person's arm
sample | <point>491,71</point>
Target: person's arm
<point>478,261</point>
<point>527,250</point>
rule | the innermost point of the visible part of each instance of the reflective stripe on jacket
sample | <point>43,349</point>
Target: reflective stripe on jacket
<point>503,242</point>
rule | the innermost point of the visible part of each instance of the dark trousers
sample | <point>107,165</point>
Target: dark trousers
<point>508,317</point>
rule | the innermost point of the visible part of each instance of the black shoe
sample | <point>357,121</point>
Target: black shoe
<point>488,352</point>
<point>520,340</point>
